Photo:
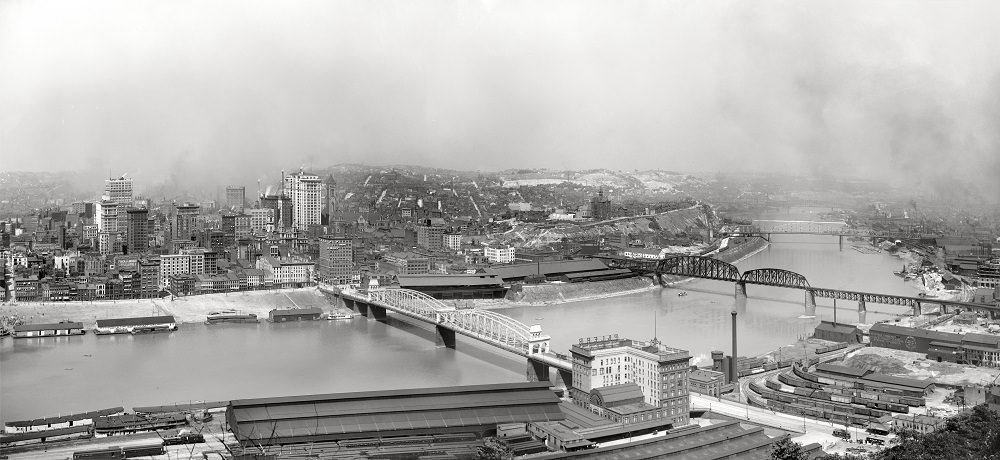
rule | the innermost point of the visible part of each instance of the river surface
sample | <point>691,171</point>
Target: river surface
<point>52,376</point>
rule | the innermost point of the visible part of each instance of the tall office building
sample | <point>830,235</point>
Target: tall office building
<point>236,197</point>
<point>656,374</point>
<point>305,191</point>
<point>106,212</point>
<point>137,231</point>
<point>185,220</point>
<point>282,207</point>
<point>336,260</point>
<point>119,190</point>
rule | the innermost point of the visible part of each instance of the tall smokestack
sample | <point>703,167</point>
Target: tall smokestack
<point>733,368</point>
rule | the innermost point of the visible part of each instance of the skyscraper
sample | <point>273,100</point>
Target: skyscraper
<point>185,217</point>
<point>106,216</point>
<point>336,259</point>
<point>137,231</point>
<point>119,190</point>
<point>236,198</point>
<point>306,193</point>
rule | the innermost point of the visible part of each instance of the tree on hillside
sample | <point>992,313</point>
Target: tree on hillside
<point>972,435</point>
<point>786,449</point>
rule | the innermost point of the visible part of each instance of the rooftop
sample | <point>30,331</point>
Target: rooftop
<point>588,345</point>
<point>485,279</point>
<point>390,412</point>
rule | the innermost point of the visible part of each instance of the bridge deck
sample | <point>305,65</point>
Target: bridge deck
<point>515,346</point>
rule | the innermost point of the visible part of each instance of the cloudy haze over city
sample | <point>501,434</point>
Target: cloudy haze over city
<point>904,90</point>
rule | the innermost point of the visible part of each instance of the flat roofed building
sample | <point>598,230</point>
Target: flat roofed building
<point>518,272</point>
<point>661,373</point>
<point>707,382</point>
<point>474,286</point>
<point>724,440</point>
<point>379,414</point>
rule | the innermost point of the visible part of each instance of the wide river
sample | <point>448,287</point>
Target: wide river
<point>45,377</point>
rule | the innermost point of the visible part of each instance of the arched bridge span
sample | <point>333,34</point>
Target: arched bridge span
<point>775,277</point>
<point>699,267</point>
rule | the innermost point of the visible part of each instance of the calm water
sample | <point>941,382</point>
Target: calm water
<point>42,377</point>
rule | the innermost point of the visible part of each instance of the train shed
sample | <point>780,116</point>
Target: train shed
<point>474,409</point>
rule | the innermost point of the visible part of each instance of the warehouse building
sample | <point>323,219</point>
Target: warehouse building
<point>476,409</point>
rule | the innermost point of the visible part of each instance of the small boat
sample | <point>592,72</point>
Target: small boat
<point>231,316</point>
<point>335,316</point>
<point>682,294</point>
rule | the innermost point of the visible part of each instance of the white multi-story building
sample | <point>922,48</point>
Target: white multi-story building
<point>261,220</point>
<point>452,241</point>
<point>308,198</point>
<point>172,264</point>
<point>196,260</point>
<point>661,373</point>
<point>285,274</point>
<point>501,255</point>
<point>119,190</point>
<point>106,212</point>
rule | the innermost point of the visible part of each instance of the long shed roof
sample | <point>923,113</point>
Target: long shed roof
<point>390,412</point>
<point>549,268</point>
<point>139,321</point>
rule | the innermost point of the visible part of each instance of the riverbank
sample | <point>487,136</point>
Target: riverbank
<point>732,255</point>
<point>548,294</point>
<point>190,309</point>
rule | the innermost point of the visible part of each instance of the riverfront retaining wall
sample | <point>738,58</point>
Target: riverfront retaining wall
<point>544,294</point>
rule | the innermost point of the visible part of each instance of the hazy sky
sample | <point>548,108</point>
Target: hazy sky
<point>176,88</point>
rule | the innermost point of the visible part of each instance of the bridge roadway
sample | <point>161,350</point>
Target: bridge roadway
<point>714,269</point>
<point>766,228</point>
<point>485,326</point>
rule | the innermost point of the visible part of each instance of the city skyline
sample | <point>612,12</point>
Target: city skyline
<point>176,94</point>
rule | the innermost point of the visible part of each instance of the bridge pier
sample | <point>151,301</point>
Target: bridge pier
<point>537,371</point>
<point>916,308</point>
<point>361,307</point>
<point>445,336</point>
<point>810,302</point>
<point>378,313</point>
<point>741,297</point>
<point>841,241</point>
<point>567,377</point>
<point>348,302</point>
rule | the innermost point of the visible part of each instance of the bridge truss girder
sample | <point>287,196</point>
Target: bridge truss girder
<point>775,277</point>
<point>698,266</point>
<point>485,325</point>
<point>883,299</point>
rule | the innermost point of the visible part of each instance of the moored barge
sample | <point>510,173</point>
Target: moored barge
<point>60,329</point>
<point>138,325</point>
<point>230,316</point>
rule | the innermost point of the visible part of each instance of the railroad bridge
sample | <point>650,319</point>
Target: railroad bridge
<point>486,326</point>
<point>766,228</point>
<point>715,269</point>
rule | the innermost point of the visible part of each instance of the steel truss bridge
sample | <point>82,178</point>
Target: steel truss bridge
<point>715,269</point>
<point>485,326</point>
<point>766,228</point>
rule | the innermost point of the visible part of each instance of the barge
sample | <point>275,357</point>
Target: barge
<point>60,329</point>
<point>140,325</point>
<point>230,316</point>
<point>294,314</point>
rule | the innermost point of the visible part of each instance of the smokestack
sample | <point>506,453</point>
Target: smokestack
<point>733,368</point>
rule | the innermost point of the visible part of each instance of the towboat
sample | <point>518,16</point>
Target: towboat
<point>682,294</point>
